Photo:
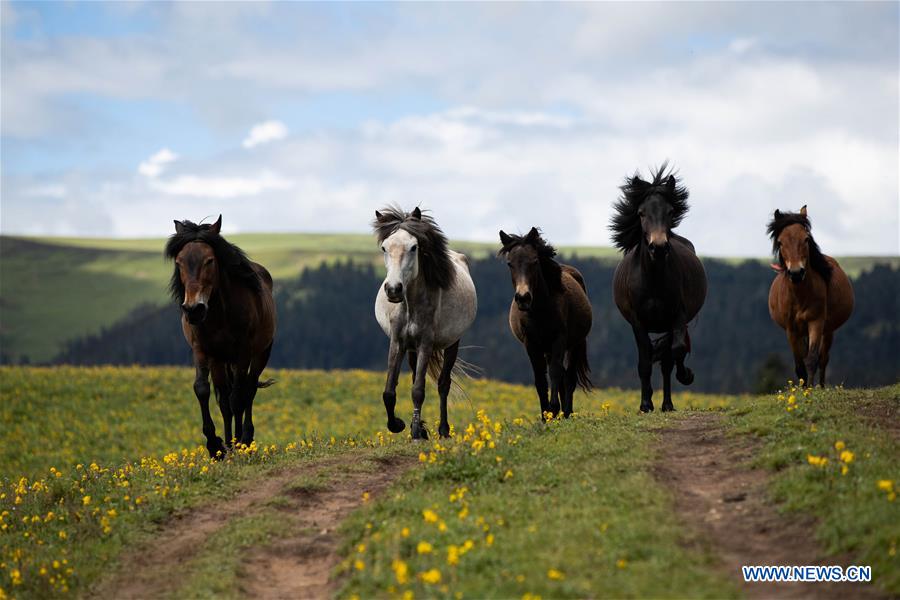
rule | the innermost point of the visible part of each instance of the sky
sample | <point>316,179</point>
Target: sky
<point>119,117</point>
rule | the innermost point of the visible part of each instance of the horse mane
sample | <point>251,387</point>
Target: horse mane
<point>626,222</point>
<point>781,221</point>
<point>234,266</point>
<point>434,254</point>
<point>551,269</point>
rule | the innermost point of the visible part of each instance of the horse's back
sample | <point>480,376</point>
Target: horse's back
<point>840,296</point>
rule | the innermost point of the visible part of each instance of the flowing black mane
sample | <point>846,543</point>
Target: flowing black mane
<point>551,269</point>
<point>626,222</point>
<point>780,221</point>
<point>436,266</point>
<point>234,266</point>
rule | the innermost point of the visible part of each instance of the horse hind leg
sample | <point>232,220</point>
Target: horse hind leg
<point>257,365</point>
<point>444,382</point>
<point>678,354</point>
<point>824,355</point>
<point>570,382</point>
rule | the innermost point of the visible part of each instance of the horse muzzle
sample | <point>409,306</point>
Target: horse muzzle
<point>196,313</point>
<point>394,293</point>
<point>523,301</point>
<point>798,275</point>
<point>658,249</point>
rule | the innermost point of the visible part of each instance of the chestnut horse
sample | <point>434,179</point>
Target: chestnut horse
<point>228,319</point>
<point>551,315</point>
<point>660,285</point>
<point>810,297</point>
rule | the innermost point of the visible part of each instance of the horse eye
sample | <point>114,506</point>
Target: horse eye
<point>641,213</point>
<point>414,248</point>
<point>208,261</point>
<point>382,249</point>
<point>509,264</point>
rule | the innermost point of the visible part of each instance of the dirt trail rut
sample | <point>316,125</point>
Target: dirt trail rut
<point>724,505</point>
<point>298,566</point>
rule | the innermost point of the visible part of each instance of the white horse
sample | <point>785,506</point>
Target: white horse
<point>426,304</point>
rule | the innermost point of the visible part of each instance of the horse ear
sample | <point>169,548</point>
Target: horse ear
<point>179,227</point>
<point>416,213</point>
<point>670,184</point>
<point>533,235</point>
<point>217,226</point>
<point>777,214</point>
<point>803,210</point>
<point>378,216</point>
<point>505,239</point>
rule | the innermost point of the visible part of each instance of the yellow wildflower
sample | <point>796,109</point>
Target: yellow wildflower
<point>432,576</point>
<point>404,532</point>
<point>847,456</point>
<point>359,565</point>
<point>621,563</point>
<point>401,571</point>
<point>555,574</point>
<point>430,516</point>
<point>839,445</point>
<point>424,548</point>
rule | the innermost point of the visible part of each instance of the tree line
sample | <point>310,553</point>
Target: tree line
<point>326,320</point>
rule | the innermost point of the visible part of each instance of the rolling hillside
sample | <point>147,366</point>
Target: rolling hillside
<point>55,289</point>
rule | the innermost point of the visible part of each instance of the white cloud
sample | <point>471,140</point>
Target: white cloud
<point>222,187</point>
<point>51,190</point>
<point>265,132</point>
<point>156,164</point>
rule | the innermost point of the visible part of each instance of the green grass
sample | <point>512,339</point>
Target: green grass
<point>568,510</point>
<point>855,517</point>
<point>101,427</point>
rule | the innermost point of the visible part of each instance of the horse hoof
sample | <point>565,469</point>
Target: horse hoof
<point>685,378</point>
<point>668,408</point>
<point>444,430</point>
<point>216,449</point>
<point>396,426</point>
<point>646,408</point>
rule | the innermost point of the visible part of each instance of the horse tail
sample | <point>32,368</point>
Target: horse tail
<point>461,368</point>
<point>265,384</point>
<point>579,363</point>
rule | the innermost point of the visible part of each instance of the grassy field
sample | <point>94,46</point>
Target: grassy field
<point>93,458</point>
<point>55,289</point>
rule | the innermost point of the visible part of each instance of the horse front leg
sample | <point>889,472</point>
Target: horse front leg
<point>222,386</point>
<point>539,368</point>
<point>417,427</point>
<point>395,360</point>
<point>645,366</point>
<point>666,364</point>
<point>444,382</point>
<point>816,335</point>
<point>798,349</point>
<point>214,443</point>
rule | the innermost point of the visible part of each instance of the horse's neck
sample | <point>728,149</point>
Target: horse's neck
<point>419,299</point>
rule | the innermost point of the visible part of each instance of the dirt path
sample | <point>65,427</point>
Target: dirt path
<point>299,566</point>
<point>724,505</point>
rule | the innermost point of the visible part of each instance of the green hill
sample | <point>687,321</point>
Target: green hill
<point>55,289</point>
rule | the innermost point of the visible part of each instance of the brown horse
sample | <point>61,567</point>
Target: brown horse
<point>811,295</point>
<point>228,319</point>
<point>551,315</point>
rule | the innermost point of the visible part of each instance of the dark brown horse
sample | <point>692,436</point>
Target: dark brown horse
<point>660,285</point>
<point>810,297</point>
<point>228,318</point>
<point>551,315</point>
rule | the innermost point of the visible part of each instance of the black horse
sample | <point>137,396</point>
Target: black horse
<point>660,284</point>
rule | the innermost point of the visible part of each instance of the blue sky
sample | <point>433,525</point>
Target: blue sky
<point>119,117</point>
